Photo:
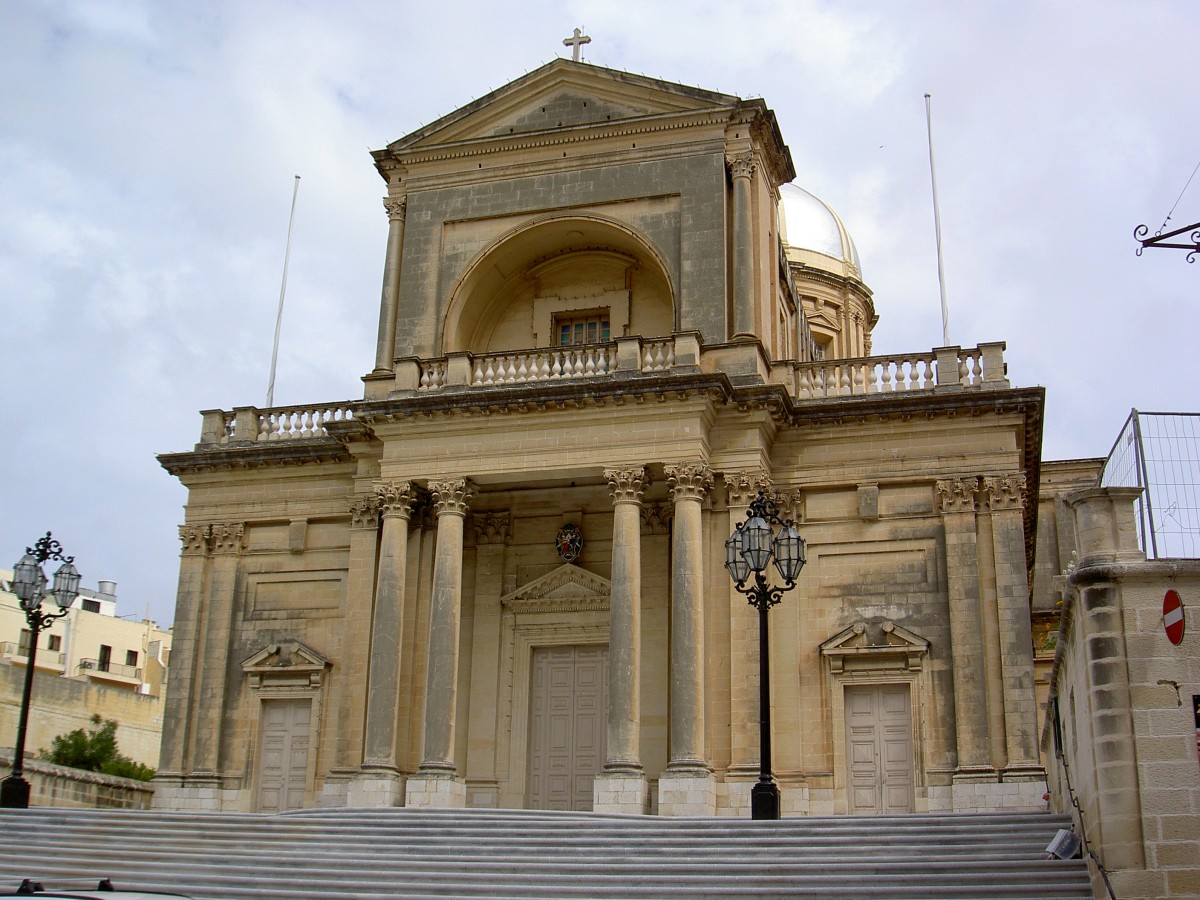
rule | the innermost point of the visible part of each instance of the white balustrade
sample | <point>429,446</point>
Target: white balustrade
<point>658,356</point>
<point>301,422</point>
<point>544,365</point>
<point>879,375</point>
<point>433,374</point>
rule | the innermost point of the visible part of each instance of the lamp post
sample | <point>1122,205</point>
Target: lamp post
<point>747,552</point>
<point>29,584</point>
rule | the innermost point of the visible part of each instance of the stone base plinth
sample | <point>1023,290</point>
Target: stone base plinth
<point>620,793</point>
<point>733,797</point>
<point>376,786</point>
<point>1022,792</point>
<point>427,790</point>
<point>196,794</point>
<point>687,793</point>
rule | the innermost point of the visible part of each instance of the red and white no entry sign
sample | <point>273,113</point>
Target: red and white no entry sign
<point>1173,617</point>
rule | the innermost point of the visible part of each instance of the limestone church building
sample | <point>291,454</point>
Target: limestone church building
<point>609,318</point>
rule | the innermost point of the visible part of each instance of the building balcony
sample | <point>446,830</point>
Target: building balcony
<point>104,670</point>
<point>46,659</point>
<point>938,370</point>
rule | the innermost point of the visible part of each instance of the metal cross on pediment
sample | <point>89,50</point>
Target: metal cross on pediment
<point>575,41</point>
<point>1160,240</point>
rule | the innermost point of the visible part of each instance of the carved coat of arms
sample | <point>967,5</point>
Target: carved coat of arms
<point>569,543</point>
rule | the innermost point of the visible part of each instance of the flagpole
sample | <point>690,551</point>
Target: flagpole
<point>282,290</point>
<point>937,227</point>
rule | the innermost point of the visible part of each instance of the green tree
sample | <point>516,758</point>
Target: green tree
<point>95,750</point>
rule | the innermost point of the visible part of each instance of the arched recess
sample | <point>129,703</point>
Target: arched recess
<point>513,294</point>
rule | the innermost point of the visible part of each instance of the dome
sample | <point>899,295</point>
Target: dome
<point>813,234</point>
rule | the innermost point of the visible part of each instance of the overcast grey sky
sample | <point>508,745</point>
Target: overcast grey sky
<point>148,148</point>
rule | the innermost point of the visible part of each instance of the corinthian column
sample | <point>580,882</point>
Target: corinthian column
<point>378,782</point>
<point>743,638</point>
<point>1005,499</point>
<point>385,348</point>
<point>687,786</point>
<point>435,784</point>
<point>957,500</point>
<point>228,541</point>
<point>346,713</point>
<point>622,788</point>
<point>742,168</point>
<point>181,699</point>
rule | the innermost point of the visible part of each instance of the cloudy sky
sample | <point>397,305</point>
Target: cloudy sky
<point>148,149</point>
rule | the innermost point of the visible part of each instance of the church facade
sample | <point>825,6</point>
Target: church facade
<point>608,320</point>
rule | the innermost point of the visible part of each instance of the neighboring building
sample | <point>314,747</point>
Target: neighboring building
<point>105,665</point>
<point>608,318</point>
<point>1123,729</point>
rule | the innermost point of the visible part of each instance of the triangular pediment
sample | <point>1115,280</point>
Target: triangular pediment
<point>568,587</point>
<point>875,644</point>
<point>560,94</point>
<point>285,655</point>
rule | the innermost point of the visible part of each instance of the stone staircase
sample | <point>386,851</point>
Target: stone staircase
<point>354,854</point>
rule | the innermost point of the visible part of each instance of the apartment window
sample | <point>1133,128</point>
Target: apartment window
<point>585,328</point>
<point>105,658</point>
<point>131,658</point>
<point>24,642</point>
<point>91,605</point>
<point>54,642</point>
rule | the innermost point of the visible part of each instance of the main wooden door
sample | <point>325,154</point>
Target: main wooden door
<point>879,749</point>
<point>568,723</point>
<point>283,766</point>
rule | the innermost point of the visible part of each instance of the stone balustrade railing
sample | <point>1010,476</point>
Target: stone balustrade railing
<point>945,368</point>
<point>248,424</point>
<point>626,355</point>
<point>903,373</point>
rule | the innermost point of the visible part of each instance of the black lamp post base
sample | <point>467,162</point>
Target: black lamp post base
<point>14,793</point>
<point>764,800</point>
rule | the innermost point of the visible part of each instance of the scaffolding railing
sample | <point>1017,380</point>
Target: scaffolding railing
<point>1160,453</point>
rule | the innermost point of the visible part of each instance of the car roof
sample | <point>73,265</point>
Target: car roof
<point>103,890</point>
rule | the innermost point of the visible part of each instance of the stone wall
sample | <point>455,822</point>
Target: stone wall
<point>59,786</point>
<point>1124,742</point>
<point>61,705</point>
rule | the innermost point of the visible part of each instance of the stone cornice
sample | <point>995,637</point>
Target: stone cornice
<point>542,396</point>
<point>311,451</point>
<point>549,138</point>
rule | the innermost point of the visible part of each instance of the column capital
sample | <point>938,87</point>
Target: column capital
<point>1004,491</point>
<point>395,498</point>
<point>656,517</point>
<point>452,496</point>
<point>744,485</point>
<point>364,511</point>
<point>195,539</point>
<point>742,165</point>
<point>229,538</point>
<point>957,495</point>
<point>395,207</point>
<point>492,528</point>
<point>691,481</point>
<point>627,484</point>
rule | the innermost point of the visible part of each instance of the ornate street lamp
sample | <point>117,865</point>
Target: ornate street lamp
<point>29,584</point>
<point>747,552</point>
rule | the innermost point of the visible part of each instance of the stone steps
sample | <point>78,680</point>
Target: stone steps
<point>361,853</point>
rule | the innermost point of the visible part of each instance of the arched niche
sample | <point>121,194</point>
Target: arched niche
<point>513,294</point>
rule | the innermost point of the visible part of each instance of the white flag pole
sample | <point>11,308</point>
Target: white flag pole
<point>937,227</point>
<point>282,290</point>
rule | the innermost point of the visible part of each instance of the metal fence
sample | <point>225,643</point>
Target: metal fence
<point>1160,452</point>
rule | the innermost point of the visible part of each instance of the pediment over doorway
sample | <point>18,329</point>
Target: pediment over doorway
<point>569,588</point>
<point>285,664</point>
<point>875,645</point>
